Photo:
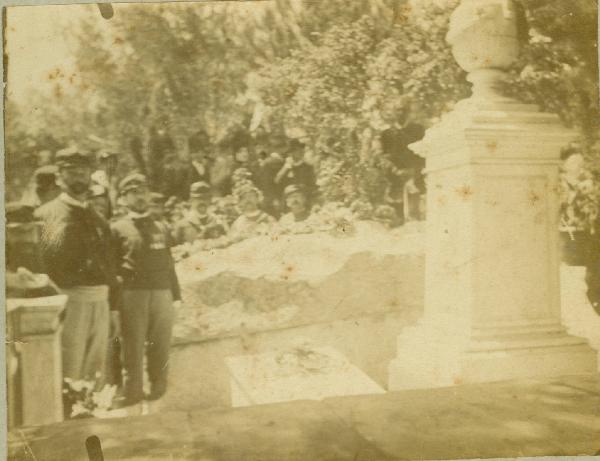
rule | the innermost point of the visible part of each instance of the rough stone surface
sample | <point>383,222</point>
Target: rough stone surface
<point>282,281</point>
<point>554,417</point>
<point>531,418</point>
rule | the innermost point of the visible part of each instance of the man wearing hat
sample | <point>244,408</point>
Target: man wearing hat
<point>253,221</point>
<point>199,223</point>
<point>150,287</point>
<point>77,254</point>
<point>296,203</point>
<point>296,170</point>
<point>44,187</point>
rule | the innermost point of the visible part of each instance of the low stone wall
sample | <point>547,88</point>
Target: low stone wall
<point>276,282</point>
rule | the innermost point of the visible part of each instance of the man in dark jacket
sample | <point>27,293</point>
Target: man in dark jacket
<point>150,287</point>
<point>76,253</point>
<point>296,170</point>
<point>592,273</point>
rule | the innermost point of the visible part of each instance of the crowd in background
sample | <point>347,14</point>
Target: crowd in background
<point>224,199</point>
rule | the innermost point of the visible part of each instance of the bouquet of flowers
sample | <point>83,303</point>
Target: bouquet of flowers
<point>580,196</point>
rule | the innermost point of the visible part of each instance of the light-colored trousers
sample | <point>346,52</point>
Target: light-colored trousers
<point>146,316</point>
<point>85,333</point>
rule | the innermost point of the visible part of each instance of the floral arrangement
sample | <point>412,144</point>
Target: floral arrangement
<point>82,400</point>
<point>580,195</point>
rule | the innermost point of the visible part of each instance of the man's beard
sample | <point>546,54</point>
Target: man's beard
<point>78,188</point>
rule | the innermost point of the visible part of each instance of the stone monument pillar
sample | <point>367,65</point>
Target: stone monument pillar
<point>34,366</point>
<point>492,300</point>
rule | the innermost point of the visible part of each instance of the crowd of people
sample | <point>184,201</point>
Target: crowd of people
<point>221,201</point>
<point>111,245</point>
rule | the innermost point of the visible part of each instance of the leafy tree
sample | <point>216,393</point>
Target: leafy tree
<point>558,67</point>
<point>162,81</point>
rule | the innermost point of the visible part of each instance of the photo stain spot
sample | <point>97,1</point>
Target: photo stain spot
<point>492,145</point>
<point>464,192</point>
<point>534,197</point>
<point>55,74</point>
<point>58,92</point>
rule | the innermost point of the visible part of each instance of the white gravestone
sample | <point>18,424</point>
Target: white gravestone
<point>304,372</point>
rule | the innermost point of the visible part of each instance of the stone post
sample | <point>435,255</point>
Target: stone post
<point>492,300</point>
<point>35,366</point>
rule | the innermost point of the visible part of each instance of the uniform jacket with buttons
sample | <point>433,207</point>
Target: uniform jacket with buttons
<point>142,251</point>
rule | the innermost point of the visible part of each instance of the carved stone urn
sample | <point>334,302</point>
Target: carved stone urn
<point>485,40</point>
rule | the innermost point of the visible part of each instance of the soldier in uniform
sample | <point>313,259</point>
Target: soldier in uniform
<point>76,252</point>
<point>296,203</point>
<point>199,223</point>
<point>150,290</point>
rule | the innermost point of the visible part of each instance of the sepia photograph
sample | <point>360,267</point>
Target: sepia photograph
<point>302,230</point>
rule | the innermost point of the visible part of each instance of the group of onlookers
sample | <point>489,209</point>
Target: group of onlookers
<point>113,258</point>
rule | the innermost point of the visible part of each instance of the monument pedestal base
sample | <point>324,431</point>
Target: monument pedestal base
<point>429,357</point>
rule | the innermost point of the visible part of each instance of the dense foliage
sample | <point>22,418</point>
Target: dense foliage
<point>160,82</point>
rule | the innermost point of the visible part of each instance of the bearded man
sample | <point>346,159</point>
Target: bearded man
<point>76,253</point>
